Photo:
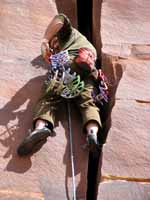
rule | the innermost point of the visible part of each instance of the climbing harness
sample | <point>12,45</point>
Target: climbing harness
<point>71,150</point>
<point>61,80</point>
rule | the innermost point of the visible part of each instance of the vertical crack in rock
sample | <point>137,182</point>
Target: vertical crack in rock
<point>93,173</point>
<point>84,15</point>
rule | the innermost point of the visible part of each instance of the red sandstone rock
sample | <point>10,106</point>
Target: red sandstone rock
<point>125,38</point>
<point>129,78</point>
<point>97,26</point>
<point>47,174</point>
<point>134,84</point>
<point>123,190</point>
<point>129,87</point>
<point>127,150</point>
<point>125,22</point>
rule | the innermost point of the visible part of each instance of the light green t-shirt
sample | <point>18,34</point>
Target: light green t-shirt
<point>76,40</point>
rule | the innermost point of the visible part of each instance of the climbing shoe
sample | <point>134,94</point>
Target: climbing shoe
<point>34,141</point>
<point>92,141</point>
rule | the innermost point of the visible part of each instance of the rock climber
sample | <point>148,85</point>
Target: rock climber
<point>72,75</point>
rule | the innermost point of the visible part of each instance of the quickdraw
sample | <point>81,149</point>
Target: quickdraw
<point>59,60</point>
<point>101,95</point>
<point>60,78</point>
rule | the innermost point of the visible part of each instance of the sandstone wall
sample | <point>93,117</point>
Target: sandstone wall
<point>47,174</point>
<point>122,28</point>
<point>125,30</point>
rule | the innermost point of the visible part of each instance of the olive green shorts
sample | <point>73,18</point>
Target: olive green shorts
<point>48,104</point>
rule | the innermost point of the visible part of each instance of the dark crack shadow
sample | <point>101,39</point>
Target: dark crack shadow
<point>115,73</point>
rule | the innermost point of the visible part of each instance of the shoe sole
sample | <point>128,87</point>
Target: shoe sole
<point>28,146</point>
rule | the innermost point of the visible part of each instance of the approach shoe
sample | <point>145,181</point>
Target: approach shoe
<point>34,141</point>
<point>92,141</point>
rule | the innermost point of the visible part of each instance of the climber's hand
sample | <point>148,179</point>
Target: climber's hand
<point>45,50</point>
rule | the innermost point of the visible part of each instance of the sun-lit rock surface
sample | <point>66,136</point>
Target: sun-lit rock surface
<point>123,190</point>
<point>47,174</point>
<point>125,30</point>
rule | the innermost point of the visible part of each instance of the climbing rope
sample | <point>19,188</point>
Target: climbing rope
<point>71,150</point>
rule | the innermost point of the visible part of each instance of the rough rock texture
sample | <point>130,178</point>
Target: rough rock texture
<point>125,30</point>
<point>124,190</point>
<point>47,174</point>
<point>124,23</point>
<point>96,28</point>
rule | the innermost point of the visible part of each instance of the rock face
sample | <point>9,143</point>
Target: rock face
<point>96,28</point>
<point>125,29</point>
<point>47,174</point>
<point>123,190</point>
